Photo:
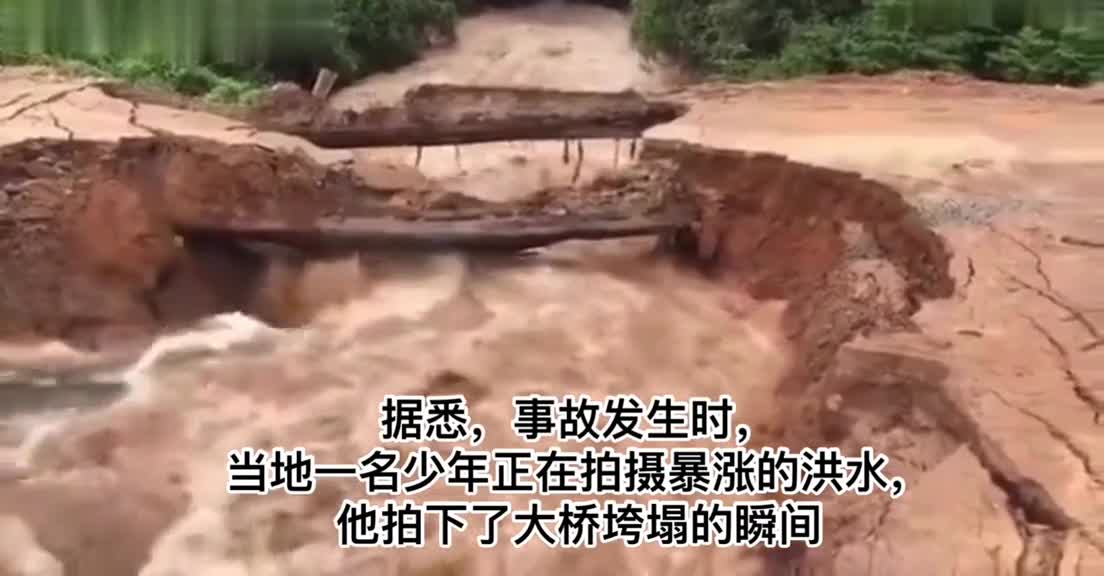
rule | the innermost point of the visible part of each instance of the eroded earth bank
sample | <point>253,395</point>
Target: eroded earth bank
<point>906,263</point>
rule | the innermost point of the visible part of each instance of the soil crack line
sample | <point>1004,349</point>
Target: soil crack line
<point>871,535</point>
<point>971,271</point>
<point>1025,494</point>
<point>1032,508</point>
<point>1092,346</point>
<point>1050,296</point>
<point>132,119</point>
<point>57,124</point>
<point>16,100</point>
<point>1050,293</point>
<point>1059,435</point>
<point>44,101</point>
<point>1028,501</point>
<point>1034,254</point>
<point>1084,393</point>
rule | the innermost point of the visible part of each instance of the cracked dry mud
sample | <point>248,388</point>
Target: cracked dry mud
<point>971,355</point>
<point>992,405</point>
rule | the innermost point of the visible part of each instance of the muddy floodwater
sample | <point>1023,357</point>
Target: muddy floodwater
<point>502,329</point>
<point>909,263</point>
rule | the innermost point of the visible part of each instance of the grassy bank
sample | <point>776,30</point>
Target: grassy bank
<point>236,86</point>
<point>217,49</point>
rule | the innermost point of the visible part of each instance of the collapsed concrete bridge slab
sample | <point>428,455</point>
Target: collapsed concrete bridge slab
<point>446,114</point>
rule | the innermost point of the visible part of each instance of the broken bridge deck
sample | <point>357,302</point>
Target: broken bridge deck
<point>484,234</point>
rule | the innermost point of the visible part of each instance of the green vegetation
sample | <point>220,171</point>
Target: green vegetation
<point>225,50</point>
<point>382,34</point>
<point>220,49</point>
<point>1056,41</point>
<point>226,87</point>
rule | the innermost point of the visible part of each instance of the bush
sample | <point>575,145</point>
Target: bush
<point>193,46</point>
<point>718,34</point>
<point>1032,56</point>
<point>755,39</point>
<point>383,34</point>
<point>709,34</point>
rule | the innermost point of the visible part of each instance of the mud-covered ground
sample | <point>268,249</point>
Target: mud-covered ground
<point>1006,175</point>
<point>921,274</point>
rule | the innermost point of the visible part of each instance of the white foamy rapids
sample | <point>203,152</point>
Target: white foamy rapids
<point>556,325</point>
<point>219,334</point>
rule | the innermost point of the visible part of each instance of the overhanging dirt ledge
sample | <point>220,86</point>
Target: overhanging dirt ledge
<point>147,232</point>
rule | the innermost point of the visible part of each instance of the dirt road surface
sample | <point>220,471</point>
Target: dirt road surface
<point>1006,175</point>
<point>988,402</point>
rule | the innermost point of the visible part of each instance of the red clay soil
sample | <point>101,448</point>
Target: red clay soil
<point>849,256</point>
<point>88,231</point>
<point>87,237</point>
<point>779,229</point>
<point>90,249</point>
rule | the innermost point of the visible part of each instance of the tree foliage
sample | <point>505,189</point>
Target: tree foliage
<point>382,34</point>
<point>226,46</point>
<point>1057,41</point>
<point>290,38</point>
